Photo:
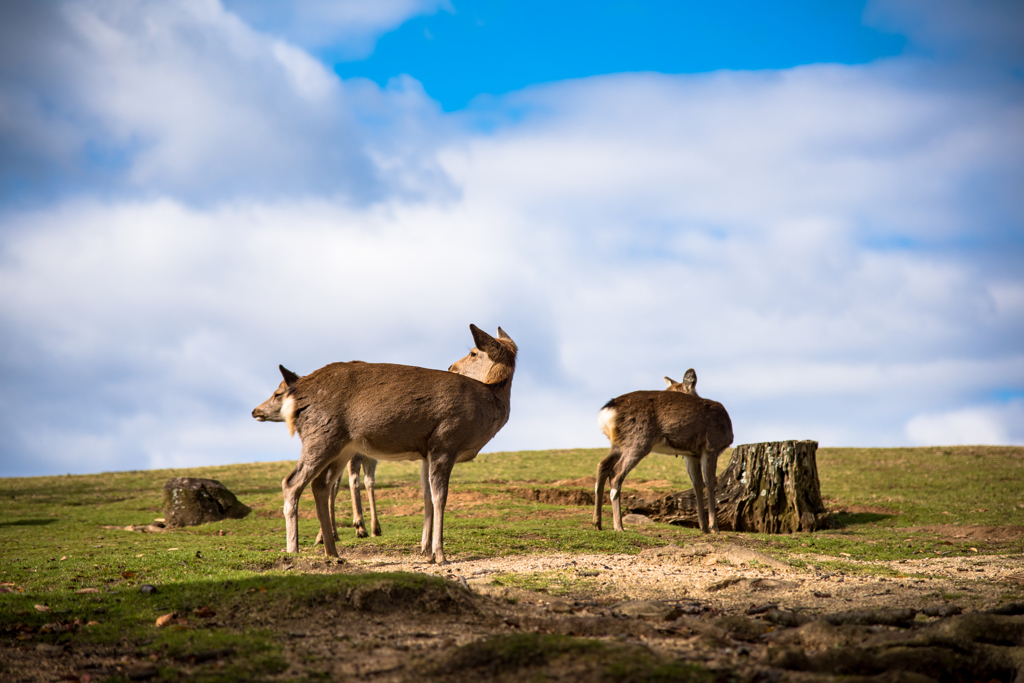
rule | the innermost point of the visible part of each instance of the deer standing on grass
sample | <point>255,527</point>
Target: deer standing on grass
<point>358,462</point>
<point>270,411</point>
<point>675,421</point>
<point>392,412</point>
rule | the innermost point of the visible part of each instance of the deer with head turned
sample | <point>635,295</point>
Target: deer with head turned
<point>393,412</point>
<point>675,421</point>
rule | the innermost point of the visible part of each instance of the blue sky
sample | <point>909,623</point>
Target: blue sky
<point>817,206</point>
<point>494,48</point>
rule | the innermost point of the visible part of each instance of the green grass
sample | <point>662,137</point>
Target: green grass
<point>53,541</point>
<point>51,533</point>
<point>952,485</point>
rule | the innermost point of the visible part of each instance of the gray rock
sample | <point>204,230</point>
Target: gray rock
<point>637,519</point>
<point>189,502</point>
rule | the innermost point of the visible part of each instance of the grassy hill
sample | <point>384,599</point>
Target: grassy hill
<point>60,535</point>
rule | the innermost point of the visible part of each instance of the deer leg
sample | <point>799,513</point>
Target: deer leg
<point>627,462</point>
<point>604,471</point>
<point>428,509</point>
<point>357,504</point>
<point>334,497</point>
<point>336,478</point>
<point>369,479</point>
<point>322,487</point>
<point>440,473</point>
<point>309,466</point>
<point>709,463</point>
<point>693,466</point>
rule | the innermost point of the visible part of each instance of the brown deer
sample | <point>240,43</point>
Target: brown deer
<point>369,467</point>
<point>270,411</point>
<point>392,412</point>
<point>675,422</point>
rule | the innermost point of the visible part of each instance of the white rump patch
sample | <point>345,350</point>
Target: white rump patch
<point>606,421</point>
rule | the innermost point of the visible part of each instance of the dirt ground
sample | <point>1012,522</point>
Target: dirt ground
<point>702,611</point>
<point>734,613</point>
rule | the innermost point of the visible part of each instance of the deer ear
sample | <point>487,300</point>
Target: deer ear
<point>483,341</point>
<point>289,377</point>
<point>502,335</point>
<point>690,378</point>
<point>669,381</point>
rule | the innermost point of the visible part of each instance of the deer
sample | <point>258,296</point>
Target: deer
<point>392,412</point>
<point>675,421</point>
<point>265,413</point>
<point>369,466</point>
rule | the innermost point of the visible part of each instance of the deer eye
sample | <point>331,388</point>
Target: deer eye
<point>473,354</point>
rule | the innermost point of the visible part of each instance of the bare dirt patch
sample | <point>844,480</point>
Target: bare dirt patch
<point>703,611</point>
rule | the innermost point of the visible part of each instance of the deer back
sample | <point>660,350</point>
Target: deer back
<point>394,409</point>
<point>685,422</point>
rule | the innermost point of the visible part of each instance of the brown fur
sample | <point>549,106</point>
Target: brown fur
<point>675,421</point>
<point>393,412</point>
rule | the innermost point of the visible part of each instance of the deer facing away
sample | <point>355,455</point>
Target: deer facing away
<point>675,421</point>
<point>392,412</point>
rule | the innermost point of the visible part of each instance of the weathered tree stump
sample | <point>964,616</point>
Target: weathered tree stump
<point>768,487</point>
<point>189,502</point>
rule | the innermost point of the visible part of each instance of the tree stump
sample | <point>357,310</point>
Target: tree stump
<point>768,487</point>
<point>190,502</point>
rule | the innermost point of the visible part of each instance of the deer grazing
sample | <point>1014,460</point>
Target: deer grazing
<point>392,412</point>
<point>675,421</point>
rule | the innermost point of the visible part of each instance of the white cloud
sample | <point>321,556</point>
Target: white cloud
<point>183,98</point>
<point>812,241</point>
<point>347,29</point>
<point>989,425</point>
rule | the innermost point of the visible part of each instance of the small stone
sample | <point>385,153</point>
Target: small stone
<point>648,609</point>
<point>559,607</point>
<point>147,589</point>
<point>946,610</point>
<point>41,608</point>
<point>637,519</point>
